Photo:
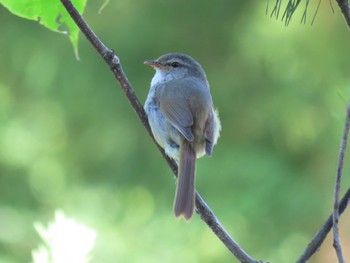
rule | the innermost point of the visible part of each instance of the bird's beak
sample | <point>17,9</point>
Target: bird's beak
<point>154,63</point>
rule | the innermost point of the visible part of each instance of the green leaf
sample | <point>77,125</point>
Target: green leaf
<point>49,13</point>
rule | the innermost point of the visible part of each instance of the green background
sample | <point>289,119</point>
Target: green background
<point>70,140</point>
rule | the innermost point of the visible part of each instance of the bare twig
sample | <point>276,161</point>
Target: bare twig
<point>345,8</point>
<point>339,207</point>
<point>113,61</point>
<point>336,238</point>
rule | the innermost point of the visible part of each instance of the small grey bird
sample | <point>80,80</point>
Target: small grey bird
<point>183,120</point>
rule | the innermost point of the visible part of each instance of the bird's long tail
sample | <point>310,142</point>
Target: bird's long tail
<point>185,190</point>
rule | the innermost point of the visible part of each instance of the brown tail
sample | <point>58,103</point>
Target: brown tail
<point>185,192</point>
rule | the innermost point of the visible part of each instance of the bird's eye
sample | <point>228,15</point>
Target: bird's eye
<point>175,64</point>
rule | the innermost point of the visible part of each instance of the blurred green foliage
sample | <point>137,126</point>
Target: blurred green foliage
<point>69,139</point>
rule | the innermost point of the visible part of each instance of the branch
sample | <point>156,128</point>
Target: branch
<point>321,234</point>
<point>345,8</point>
<point>336,238</point>
<point>339,208</point>
<point>113,62</point>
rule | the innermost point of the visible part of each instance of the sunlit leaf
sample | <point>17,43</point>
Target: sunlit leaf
<point>49,13</point>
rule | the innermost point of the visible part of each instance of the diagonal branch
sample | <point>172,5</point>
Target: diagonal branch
<point>345,8</point>
<point>339,207</point>
<point>336,238</point>
<point>113,62</point>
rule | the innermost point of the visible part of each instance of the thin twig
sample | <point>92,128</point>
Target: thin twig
<point>339,207</point>
<point>113,61</point>
<point>336,238</point>
<point>345,8</point>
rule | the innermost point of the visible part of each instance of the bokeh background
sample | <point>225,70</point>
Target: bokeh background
<point>70,140</point>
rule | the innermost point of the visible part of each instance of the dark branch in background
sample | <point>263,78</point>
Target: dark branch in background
<point>336,238</point>
<point>113,62</point>
<point>345,8</point>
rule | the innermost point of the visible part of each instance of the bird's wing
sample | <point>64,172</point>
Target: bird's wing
<point>173,102</point>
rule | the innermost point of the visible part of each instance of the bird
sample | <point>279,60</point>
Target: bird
<point>183,120</point>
